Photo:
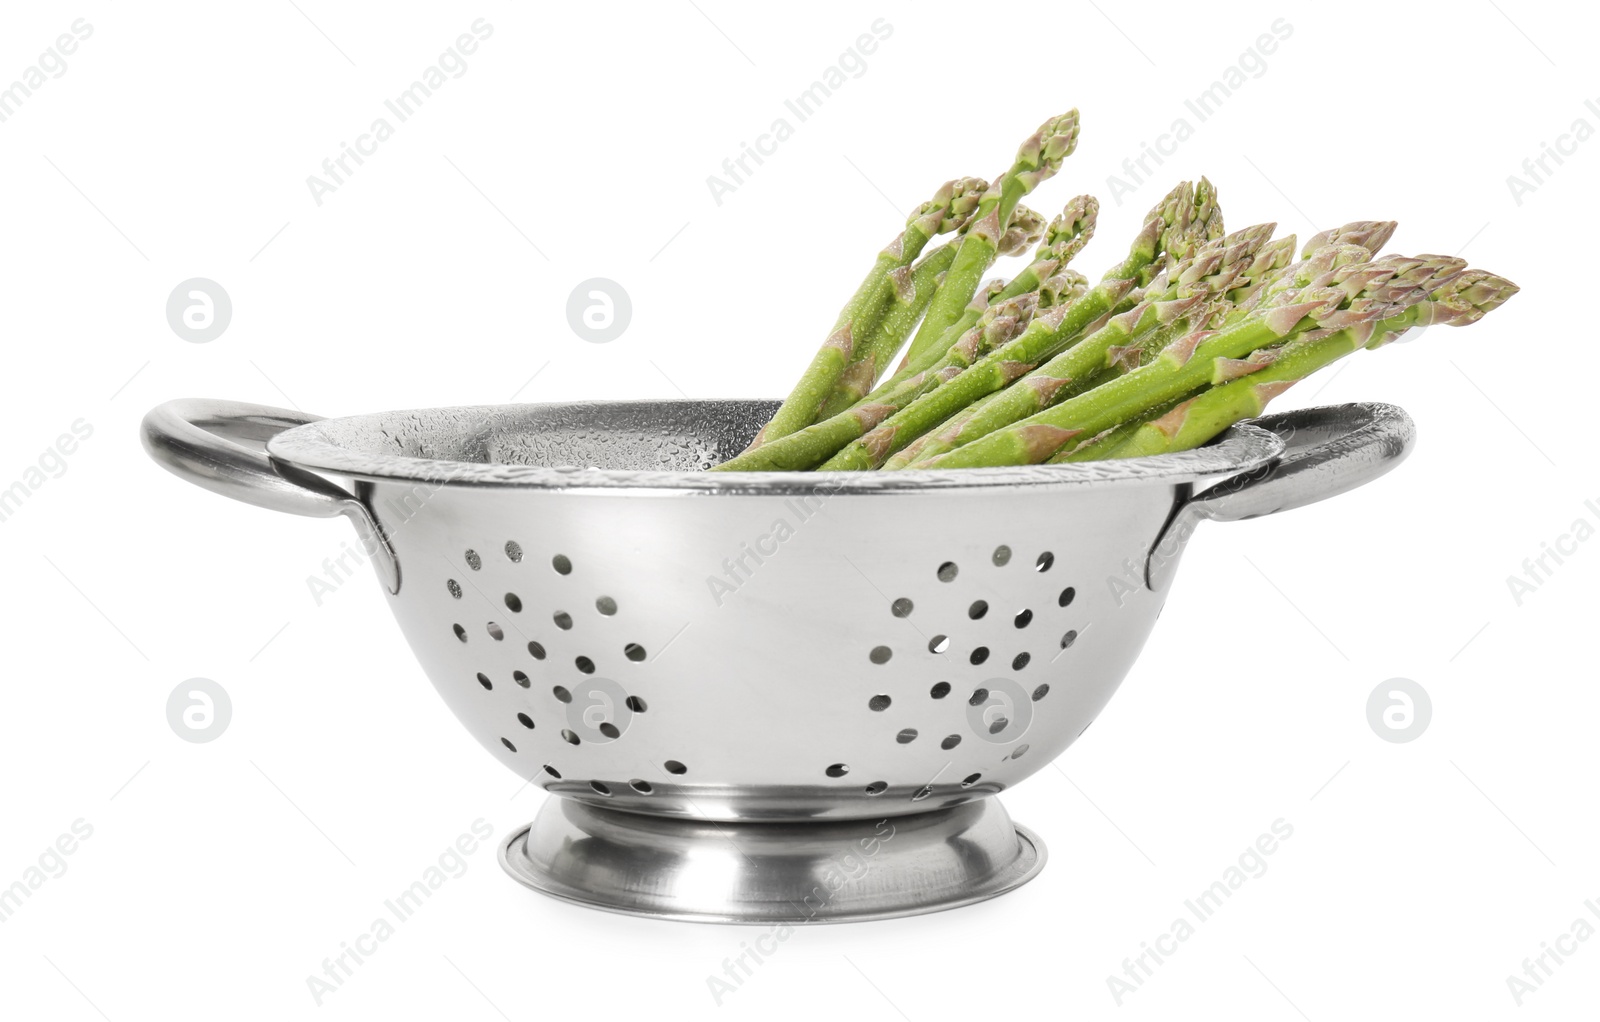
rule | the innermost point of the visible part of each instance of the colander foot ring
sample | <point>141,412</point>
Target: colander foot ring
<point>823,871</point>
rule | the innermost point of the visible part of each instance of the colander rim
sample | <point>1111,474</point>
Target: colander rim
<point>323,445</point>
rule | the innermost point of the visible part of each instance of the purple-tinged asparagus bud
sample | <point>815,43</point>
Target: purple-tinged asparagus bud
<point>949,209</point>
<point>1064,287</point>
<point>1041,154</point>
<point>1022,233</point>
<point>1371,235</point>
<point>1069,232</point>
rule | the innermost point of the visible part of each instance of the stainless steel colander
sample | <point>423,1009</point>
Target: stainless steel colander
<point>760,697</point>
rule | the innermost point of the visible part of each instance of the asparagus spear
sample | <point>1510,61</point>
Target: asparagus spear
<point>1104,442</point>
<point>1049,333</point>
<point>907,307</point>
<point>1037,159</point>
<point>1340,296</point>
<point>1054,381</point>
<point>1462,299</point>
<point>1371,235</point>
<point>809,447</point>
<point>1064,238</point>
<point>950,209</point>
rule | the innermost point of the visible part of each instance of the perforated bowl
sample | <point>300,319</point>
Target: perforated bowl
<point>770,662</point>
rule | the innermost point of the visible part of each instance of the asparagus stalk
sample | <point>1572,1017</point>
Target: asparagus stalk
<point>908,305</point>
<point>1333,297</point>
<point>1104,442</point>
<point>1177,301</point>
<point>1037,159</point>
<point>951,209</point>
<point>1049,333</point>
<point>1066,236</point>
<point>809,447</point>
<point>1463,298</point>
<point>1054,381</point>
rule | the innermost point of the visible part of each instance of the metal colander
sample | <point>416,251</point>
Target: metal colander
<point>731,680</point>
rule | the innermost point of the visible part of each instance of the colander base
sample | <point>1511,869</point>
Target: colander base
<point>772,873</point>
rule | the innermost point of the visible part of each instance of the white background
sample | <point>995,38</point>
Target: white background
<point>219,876</point>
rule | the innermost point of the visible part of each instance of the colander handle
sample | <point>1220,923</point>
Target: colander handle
<point>1328,450</point>
<point>222,447</point>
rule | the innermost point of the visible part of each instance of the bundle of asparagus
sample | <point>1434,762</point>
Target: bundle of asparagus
<point>1193,330</point>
